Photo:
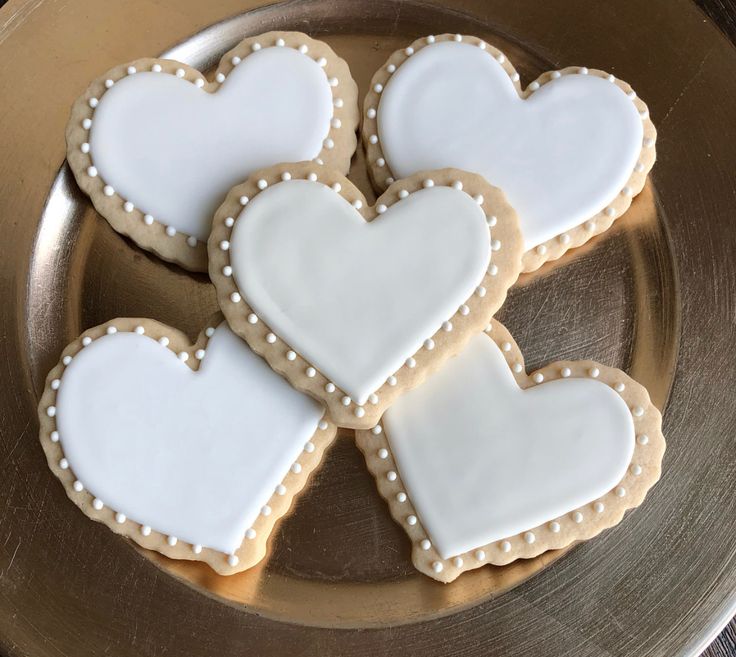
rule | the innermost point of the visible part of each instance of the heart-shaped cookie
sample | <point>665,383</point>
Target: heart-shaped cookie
<point>156,146</point>
<point>192,450</point>
<point>570,151</point>
<point>484,464</point>
<point>355,303</point>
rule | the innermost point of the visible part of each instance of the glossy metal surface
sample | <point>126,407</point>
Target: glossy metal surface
<point>654,296</point>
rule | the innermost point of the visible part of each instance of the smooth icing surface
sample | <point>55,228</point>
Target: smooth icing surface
<point>356,299</point>
<point>194,455</point>
<point>560,156</point>
<point>174,150</point>
<point>483,459</point>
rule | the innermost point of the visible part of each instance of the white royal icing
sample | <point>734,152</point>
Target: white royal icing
<point>354,298</point>
<point>482,459</point>
<point>194,455</point>
<point>561,156</point>
<point>173,150</point>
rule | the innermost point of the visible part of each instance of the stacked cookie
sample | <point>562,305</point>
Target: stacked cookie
<point>338,313</point>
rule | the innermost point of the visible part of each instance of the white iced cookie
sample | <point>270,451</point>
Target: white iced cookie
<point>353,303</point>
<point>157,146</point>
<point>191,450</point>
<point>483,463</point>
<point>570,151</point>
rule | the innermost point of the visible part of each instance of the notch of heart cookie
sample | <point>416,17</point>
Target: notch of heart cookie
<point>191,357</point>
<point>467,316</point>
<point>579,522</point>
<point>156,233</point>
<point>573,236</point>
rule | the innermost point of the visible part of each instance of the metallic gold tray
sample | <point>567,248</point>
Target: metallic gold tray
<point>655,296</point>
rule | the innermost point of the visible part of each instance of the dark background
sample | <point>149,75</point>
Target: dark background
<point>723,14</point>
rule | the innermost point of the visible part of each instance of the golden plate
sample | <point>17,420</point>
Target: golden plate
<point>655,296</point>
